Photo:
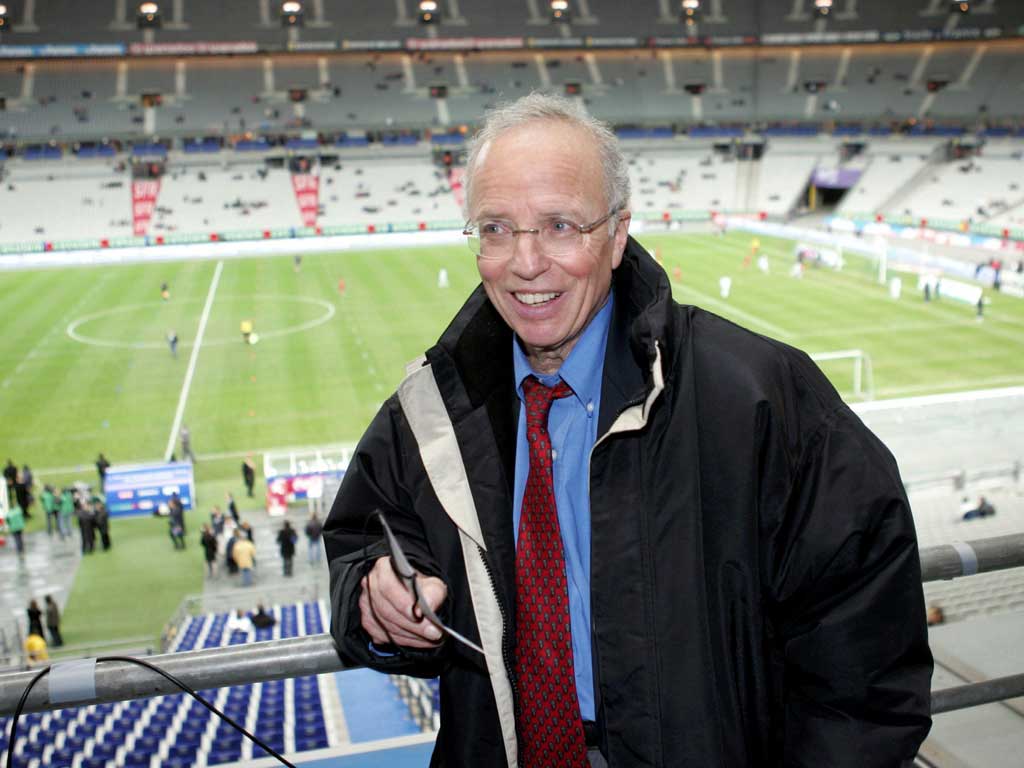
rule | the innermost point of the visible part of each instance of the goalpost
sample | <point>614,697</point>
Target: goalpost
<point>862,378</point>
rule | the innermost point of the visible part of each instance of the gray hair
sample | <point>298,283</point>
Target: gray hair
<point>538,107</point>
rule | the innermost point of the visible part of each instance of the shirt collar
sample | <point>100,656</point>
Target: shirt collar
<point>583,368</point>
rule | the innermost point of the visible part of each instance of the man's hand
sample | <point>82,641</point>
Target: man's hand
<point>392,607</point>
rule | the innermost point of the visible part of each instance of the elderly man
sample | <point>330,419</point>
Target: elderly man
<point>672,541</point>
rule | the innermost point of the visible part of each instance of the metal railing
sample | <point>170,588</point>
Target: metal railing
<point>316,654</point>
<point>959,480</point>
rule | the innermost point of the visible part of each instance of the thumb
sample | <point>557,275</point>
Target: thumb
<point>433,590</point>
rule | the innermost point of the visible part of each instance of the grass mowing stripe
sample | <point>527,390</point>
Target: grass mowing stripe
<point>193,358</point>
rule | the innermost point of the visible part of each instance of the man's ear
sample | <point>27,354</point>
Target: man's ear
<point>621,235</point>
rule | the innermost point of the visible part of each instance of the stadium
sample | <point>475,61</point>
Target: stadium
<point>227,228</point>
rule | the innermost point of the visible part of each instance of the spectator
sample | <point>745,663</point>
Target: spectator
<point>208,540</point>
<point>246,530</point>
<point>936,615</point>
<point>249,474</point>
<point>66,512</point>
<point>10,478</point>
<point>24,490</point>
<point>261,619</point>
<point>35,618</point>
<point>51,509</point>
<point>233,508</point>
<point>217,521</point>
<point>984,509</point>
<point>35,650</point>
<point>53,621</point>
<point>244,554</point>
<point>286,545</point>
<point>313,530</point>
<point>102,465</point>
<point>229,553</point>
<point>86,524</point>
<point>16,527</point>
<point>186,445</point>
<point>239,622</point>
<point>101,521</point>
<point>176,521</point>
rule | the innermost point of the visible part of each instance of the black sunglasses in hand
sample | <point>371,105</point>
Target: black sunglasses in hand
<point>407,574</point>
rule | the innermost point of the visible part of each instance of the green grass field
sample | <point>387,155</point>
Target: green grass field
<point>84,366</point>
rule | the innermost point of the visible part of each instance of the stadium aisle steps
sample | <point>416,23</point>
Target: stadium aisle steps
<point>373,708</point>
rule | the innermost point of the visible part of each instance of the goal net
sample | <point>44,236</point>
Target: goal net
<point>850,372</point>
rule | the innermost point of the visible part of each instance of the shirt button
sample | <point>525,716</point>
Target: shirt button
<point>590,407</point>
<point>554,454</point>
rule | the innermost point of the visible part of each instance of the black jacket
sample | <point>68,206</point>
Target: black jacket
<point>755,585</point>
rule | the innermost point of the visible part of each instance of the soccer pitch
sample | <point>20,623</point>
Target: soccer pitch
<point>86,366</point>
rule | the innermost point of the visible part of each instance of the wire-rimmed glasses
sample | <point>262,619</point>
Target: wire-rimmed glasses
<point>556,236</point>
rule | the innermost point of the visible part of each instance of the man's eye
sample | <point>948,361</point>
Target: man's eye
<point>493,229</point>
<point>561,227</point>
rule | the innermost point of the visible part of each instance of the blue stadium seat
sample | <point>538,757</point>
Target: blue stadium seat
<point>148,742</point>
<point>179,750</point>
<point>221,754</point>
<point>104,750</point>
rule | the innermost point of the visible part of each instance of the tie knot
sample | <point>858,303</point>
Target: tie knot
<point>539,397</point>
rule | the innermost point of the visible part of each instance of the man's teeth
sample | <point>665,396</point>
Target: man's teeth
<point>536,298</point>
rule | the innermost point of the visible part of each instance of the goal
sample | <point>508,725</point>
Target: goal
<point>850,372</point>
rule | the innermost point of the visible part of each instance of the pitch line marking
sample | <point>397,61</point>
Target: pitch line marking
<point>74,325</point>
<point>193,359</point>
<point>731,311</point>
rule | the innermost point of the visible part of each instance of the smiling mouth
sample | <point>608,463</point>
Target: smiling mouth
<point>533,299</point>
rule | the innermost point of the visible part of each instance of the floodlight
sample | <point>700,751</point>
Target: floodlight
<point>690,8</point>
<point>291,14</point>
<point>428,12</point>
<point>5,21</point>
<point>822,7</point>
<point>148,16</point>
<point>559,10</point>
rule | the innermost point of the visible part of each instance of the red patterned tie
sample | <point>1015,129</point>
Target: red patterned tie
<point>549,723</point>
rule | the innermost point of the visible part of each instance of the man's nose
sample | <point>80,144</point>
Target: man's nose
<point>528,259</point>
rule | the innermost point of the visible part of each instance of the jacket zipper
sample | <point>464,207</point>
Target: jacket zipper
<point>506,651</point>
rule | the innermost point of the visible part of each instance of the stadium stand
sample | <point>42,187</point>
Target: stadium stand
<point>226,127</point>
<point>291,716</point>
<point>236,20</point>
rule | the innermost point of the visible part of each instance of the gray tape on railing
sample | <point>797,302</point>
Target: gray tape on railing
<point>73,681</point>
<point>968,557</point>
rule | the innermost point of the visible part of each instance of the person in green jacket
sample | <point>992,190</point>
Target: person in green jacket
<point>67,510</point>
<point>49,502</point>
<point>16,527</point>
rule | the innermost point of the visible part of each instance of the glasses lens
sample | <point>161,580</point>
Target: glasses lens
<point>473,241</point>
<point>559,237</point>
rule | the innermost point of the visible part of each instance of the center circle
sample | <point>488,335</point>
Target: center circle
<point>328,308</point>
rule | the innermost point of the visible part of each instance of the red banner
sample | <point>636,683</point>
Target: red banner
<point>307,195</point>
<point>144,194</point>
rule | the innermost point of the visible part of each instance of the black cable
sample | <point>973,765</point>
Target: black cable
<point>369,592</point>
<point>17,711</point>
<point>43,672</point>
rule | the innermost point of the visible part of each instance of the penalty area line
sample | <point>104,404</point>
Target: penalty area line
<point>193,358</point>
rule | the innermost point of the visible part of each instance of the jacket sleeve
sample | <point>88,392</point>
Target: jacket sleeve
<point>846,607</point>
<point>376,481</point>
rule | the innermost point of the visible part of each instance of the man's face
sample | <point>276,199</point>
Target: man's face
<point>525,176</point>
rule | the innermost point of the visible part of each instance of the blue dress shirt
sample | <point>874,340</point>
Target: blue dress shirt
<point>572,425</point>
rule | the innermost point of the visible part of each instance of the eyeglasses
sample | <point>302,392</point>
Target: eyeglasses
<point>556,236</point>
<point>407,574</point>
